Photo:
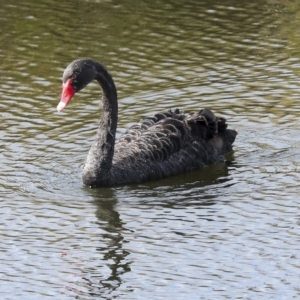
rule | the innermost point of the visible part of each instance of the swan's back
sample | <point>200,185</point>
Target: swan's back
<point>170,143</point>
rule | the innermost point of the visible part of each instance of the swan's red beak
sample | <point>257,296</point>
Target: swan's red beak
<point>67,93</point>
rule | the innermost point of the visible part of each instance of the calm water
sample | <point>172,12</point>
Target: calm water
<point>228,231</point>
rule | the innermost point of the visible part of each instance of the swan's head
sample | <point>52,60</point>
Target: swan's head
<point>76,76</point>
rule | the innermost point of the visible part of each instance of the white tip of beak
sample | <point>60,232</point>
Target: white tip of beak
<point>61,106</point>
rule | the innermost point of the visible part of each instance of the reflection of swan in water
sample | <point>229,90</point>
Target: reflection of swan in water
<point>107,262</point>
<point>166,144</point>
<point>113,249</point>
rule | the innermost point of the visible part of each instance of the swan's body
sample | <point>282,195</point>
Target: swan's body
<point>166,144</point>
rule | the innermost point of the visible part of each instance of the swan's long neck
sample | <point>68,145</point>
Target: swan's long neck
<point>99,161</point>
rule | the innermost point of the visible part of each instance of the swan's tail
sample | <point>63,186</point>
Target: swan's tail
<point>213,129</point>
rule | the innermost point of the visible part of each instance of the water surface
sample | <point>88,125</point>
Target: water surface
<point>228,231</point>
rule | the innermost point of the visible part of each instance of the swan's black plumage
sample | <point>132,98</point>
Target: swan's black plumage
<point>166,144</point>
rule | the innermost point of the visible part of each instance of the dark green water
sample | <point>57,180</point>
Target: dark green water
<point>228,231</point>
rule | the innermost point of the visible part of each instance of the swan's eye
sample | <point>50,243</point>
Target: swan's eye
<point>75,83</point>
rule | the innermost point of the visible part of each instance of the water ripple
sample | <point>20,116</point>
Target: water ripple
<point>228,231</point>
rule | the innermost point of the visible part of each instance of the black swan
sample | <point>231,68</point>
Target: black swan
<point>166,144</point>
